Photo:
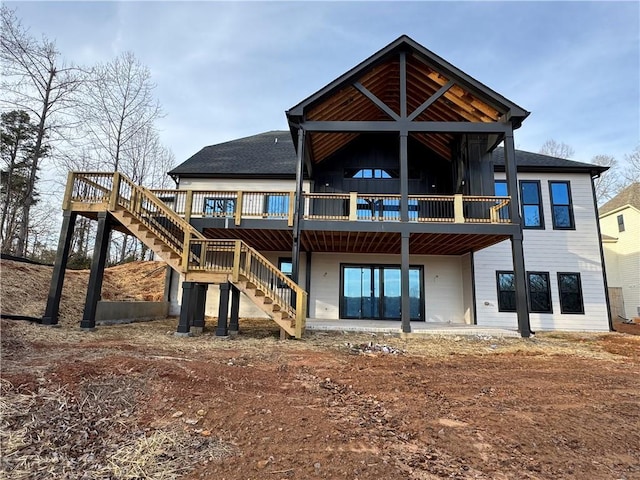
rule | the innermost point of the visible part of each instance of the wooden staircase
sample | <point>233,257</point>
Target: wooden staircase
<point>187,251</point>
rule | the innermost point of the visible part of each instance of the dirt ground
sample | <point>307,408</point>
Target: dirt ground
<point>25,287</point>
<point>135,402</point>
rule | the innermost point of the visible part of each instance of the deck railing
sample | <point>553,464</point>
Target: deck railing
<point>353,206</point>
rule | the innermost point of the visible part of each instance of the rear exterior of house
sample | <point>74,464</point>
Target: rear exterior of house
<point>562,253</point>
<point>387,199</point>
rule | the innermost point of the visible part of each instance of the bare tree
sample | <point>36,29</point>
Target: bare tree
<point>556,149</point>
<point>37,81</point>
<point>119,105</point>
<point>607,184</point>
<point>631,172</point>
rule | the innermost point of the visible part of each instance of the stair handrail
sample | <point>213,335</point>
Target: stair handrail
<point>296,307</point>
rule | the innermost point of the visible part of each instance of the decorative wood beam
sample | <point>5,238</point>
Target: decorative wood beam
<point>431,100</point>
<point>403,85</point>
<point>376,101</point>
<point>400,125</point>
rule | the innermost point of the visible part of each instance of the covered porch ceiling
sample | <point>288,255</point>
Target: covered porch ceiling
<point>374,91</point>
<point>358,242</point>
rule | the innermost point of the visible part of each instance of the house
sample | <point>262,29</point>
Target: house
<point>388,198</point>
<point>620,227</point>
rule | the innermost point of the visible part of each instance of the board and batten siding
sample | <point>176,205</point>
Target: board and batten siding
<point>444,290</point>
<point>622,257</point>
<point>551,251</point>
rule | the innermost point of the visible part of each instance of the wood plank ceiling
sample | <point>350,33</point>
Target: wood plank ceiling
<point>383,80</point>
<point>358,242</point>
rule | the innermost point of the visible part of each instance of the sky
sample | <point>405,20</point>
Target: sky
<point>225,70</point>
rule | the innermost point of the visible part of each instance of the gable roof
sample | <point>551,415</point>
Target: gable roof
<point>272,155</point>
<point>407,43</point>
<point>537,162</point>
<point>403,78</point>
<point>628,196</point>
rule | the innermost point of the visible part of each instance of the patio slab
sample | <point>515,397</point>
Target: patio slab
<point>417,328</point>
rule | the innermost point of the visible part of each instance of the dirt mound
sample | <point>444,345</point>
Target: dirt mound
<point>24,287</point>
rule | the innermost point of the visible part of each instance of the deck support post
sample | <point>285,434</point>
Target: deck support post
<point>197,325</point>
<point>405,311</point>
<point>57,280</point>
<point>187,308</point>
<point>223,311</point>
<point>299,212</point>
<point>517,248</point>
<point>96,275</point>
<point>234,319</point>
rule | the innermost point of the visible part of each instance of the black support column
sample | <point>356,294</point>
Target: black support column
<point>187,308</point>
<point>298,210</point>
<point>223,311</point>
<point>57,280</point>
<point>197,326</point>
<point>234,320</point>
<point>517,249</point>
<point>98,262</point>
<point>405,314</point>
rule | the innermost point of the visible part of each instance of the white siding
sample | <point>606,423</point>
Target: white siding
<point>550,251</point>
<point>623,257</point>
<point>233,185</point>
<point>443,284</point>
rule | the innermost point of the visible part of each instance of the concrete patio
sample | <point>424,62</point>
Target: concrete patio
<point>417,328</point>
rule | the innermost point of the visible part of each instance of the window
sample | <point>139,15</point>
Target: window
<point>370,173</point>
<point>539,292</point>
<point>561,208</point>
<point>506,292</point>
<point>285,265</point>
<point>620,223</point>
<point>570,292</point>
<point>219,207</point>
<point>531,204</point>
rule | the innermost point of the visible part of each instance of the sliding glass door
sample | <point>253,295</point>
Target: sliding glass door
<point>373,292</point>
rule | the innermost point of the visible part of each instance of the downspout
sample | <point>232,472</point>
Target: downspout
<point>604,270</point>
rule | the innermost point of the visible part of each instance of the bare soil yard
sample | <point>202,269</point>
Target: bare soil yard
<point>135,402</point>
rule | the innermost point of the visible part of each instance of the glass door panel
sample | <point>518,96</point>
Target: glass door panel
<point>392,299</point>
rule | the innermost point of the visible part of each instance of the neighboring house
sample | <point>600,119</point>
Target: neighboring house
<point>418,193</point>
<point>388,198</point>
<point>620,227</point>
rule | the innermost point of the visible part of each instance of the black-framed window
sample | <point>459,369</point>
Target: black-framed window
<point>378,173</point>
<point>531,201</point>
<point>219,207</point>
<point>570,292</point>
<point>285,265</point>
<point>539,292</point>
<point>620,223</point>
<point>561,205</point>
<point>506,291</point>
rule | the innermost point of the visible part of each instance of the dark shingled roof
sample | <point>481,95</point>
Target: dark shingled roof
<point>269,154</point>
<point>272,155</point>
<point>628,196</point>
<point>537,162</point>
